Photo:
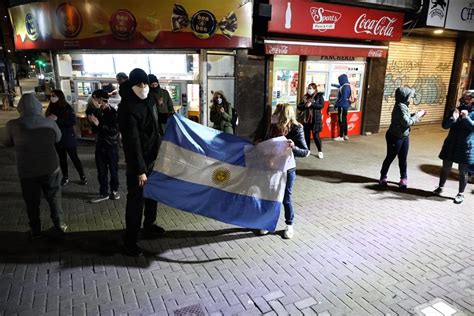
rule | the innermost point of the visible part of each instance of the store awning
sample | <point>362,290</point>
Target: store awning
<point>288,47</point>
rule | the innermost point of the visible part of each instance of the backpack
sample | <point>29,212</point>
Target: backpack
<point>353,96</point>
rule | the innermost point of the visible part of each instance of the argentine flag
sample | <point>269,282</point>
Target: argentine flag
<point>218,175</point>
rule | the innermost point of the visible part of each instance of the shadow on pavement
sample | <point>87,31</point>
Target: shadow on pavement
<point>333,176</point>
<point>435,171</point>
<point>94,247</point>
<point>407,194</point>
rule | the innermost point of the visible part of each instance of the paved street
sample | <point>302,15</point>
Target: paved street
<point>357,250</point>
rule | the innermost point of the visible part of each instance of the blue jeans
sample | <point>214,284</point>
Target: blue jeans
<point>290,182</point>
<point>396,147</point>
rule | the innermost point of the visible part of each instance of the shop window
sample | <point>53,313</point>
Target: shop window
<point>285,79</point>
<point>220,65</point>
<point>127,62</point>
<point>98,65</point>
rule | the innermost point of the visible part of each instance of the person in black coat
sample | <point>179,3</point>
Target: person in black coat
<point>138,123</point>
<point>61,111</point>
<point>283,123</point>
<point>104,123</point>
<point>311,106</point>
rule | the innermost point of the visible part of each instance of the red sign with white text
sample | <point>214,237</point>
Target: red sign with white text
<point>312,50</point>
<point>331,20</point>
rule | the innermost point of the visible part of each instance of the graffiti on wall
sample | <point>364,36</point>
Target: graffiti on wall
<point>429,89</point>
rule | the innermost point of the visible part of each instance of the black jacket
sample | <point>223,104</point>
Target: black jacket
<point>138,123</point>
<point>296,134</point>
<point>316,106</point>
<point>66,119</point>
<point>107,132</point>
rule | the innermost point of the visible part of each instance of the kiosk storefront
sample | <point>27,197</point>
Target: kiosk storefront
<point>185,45</point>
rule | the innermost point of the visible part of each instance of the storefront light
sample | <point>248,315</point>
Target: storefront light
<point>438,31</point>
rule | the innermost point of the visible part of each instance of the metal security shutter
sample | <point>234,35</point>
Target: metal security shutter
<point>423,64</point>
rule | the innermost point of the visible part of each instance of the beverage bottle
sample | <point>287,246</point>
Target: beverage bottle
<point>288,16</point>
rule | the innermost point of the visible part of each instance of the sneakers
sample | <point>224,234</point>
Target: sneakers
<point>438,191</point>
<point>403,183</point>
<point>458,199</point>
<point>383,181</point>
<point>346,137</point>
<point>263,232</point>
<point>83,180</point>
<point>154,231</point>
<point>338,139</point>
<point>58,229</point>
<point>288,234</point>
<point>64,181</point>
<point>100,198</point>
<point>114,195</point>
<point>320,155</point>
<point>132,249</point>
<point>309,153</point>
<point>35,233</point>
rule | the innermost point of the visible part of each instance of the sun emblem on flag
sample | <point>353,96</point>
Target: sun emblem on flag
<point>221,176</point>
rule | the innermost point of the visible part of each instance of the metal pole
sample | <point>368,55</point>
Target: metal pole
<point>204,108</point>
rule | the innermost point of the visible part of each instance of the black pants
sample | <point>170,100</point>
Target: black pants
<point>106,160</point>
<point>396,147</point>
<point>134,209</point>
<point>308,129</point>
<point>463,174</point>
<point>51,188</point>
<point>72,152</point>
<point>342,120</point>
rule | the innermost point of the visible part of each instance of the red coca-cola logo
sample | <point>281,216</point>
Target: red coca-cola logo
<point>383,26</point>
<point>375,53</point>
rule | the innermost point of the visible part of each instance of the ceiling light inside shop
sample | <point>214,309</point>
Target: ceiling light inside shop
<point>438,31</point>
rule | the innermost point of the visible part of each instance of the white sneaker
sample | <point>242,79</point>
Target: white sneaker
<point>338,139</point>
<point>263,232</point>
<point>346,137</point>
<point>309,153</point>
<point>288,232</point>
<point>320,155</point>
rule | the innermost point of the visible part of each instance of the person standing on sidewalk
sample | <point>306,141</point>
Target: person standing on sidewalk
<point>138,123</point>
<point>311,106</point>
<point>104,123</point>
<point>397,135</point>
<point>61,111</point>
<point>221,113</point>
<point>34,137</point>
<point>162,100</point>
<point>342,105</point>
<point>458,147</point>
<point>283,123</point>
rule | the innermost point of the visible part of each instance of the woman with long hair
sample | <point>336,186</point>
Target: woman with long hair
<point>284,124</point>
<point>311,106</point>
<point>221,113</point>
<point>61,111</point>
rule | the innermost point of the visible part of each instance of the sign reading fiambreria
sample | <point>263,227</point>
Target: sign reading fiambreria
<point>323,19</point>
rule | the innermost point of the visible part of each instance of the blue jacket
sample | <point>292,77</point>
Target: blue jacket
<point>458,147</point>
<point>344,93</point>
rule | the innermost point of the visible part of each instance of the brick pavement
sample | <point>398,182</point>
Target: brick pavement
<point>356,251</point>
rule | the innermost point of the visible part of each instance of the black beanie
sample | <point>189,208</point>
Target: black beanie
<point>138,76</point>
<point>152,78</point>
<point>100,93</point>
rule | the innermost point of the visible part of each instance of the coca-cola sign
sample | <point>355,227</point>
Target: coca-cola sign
<point>382,26</point>
<point>333,20</point>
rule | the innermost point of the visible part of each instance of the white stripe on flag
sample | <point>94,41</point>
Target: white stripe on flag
<point>180,163</point>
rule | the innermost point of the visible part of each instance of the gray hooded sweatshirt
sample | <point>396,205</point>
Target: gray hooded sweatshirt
<point>33,137</point>
<point>402,119</point>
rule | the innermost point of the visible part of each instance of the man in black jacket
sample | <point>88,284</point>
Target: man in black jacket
<point>104,123</point>
<point>138,122</point>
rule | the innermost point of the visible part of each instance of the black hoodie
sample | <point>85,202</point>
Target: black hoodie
<point>138,123</point>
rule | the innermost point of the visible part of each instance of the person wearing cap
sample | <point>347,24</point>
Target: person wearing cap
<point>163,102</point>
<point>121,77</point>
<point>104,123</point>
<point>138,123</point>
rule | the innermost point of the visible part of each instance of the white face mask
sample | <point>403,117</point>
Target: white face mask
<point>54,99</point>
<point>142,93</point>
<point>310,91</point>
<point>219,100</point>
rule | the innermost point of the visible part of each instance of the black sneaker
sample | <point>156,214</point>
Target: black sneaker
<point>458,199</point>
<point>59,229</point>
<point>83,180</point>
<point>35,233</point>
<point>100,198</point>
<point>132,249</point>
<point>114,195</point>
<point>64,181</point>
<point>153,231</point>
